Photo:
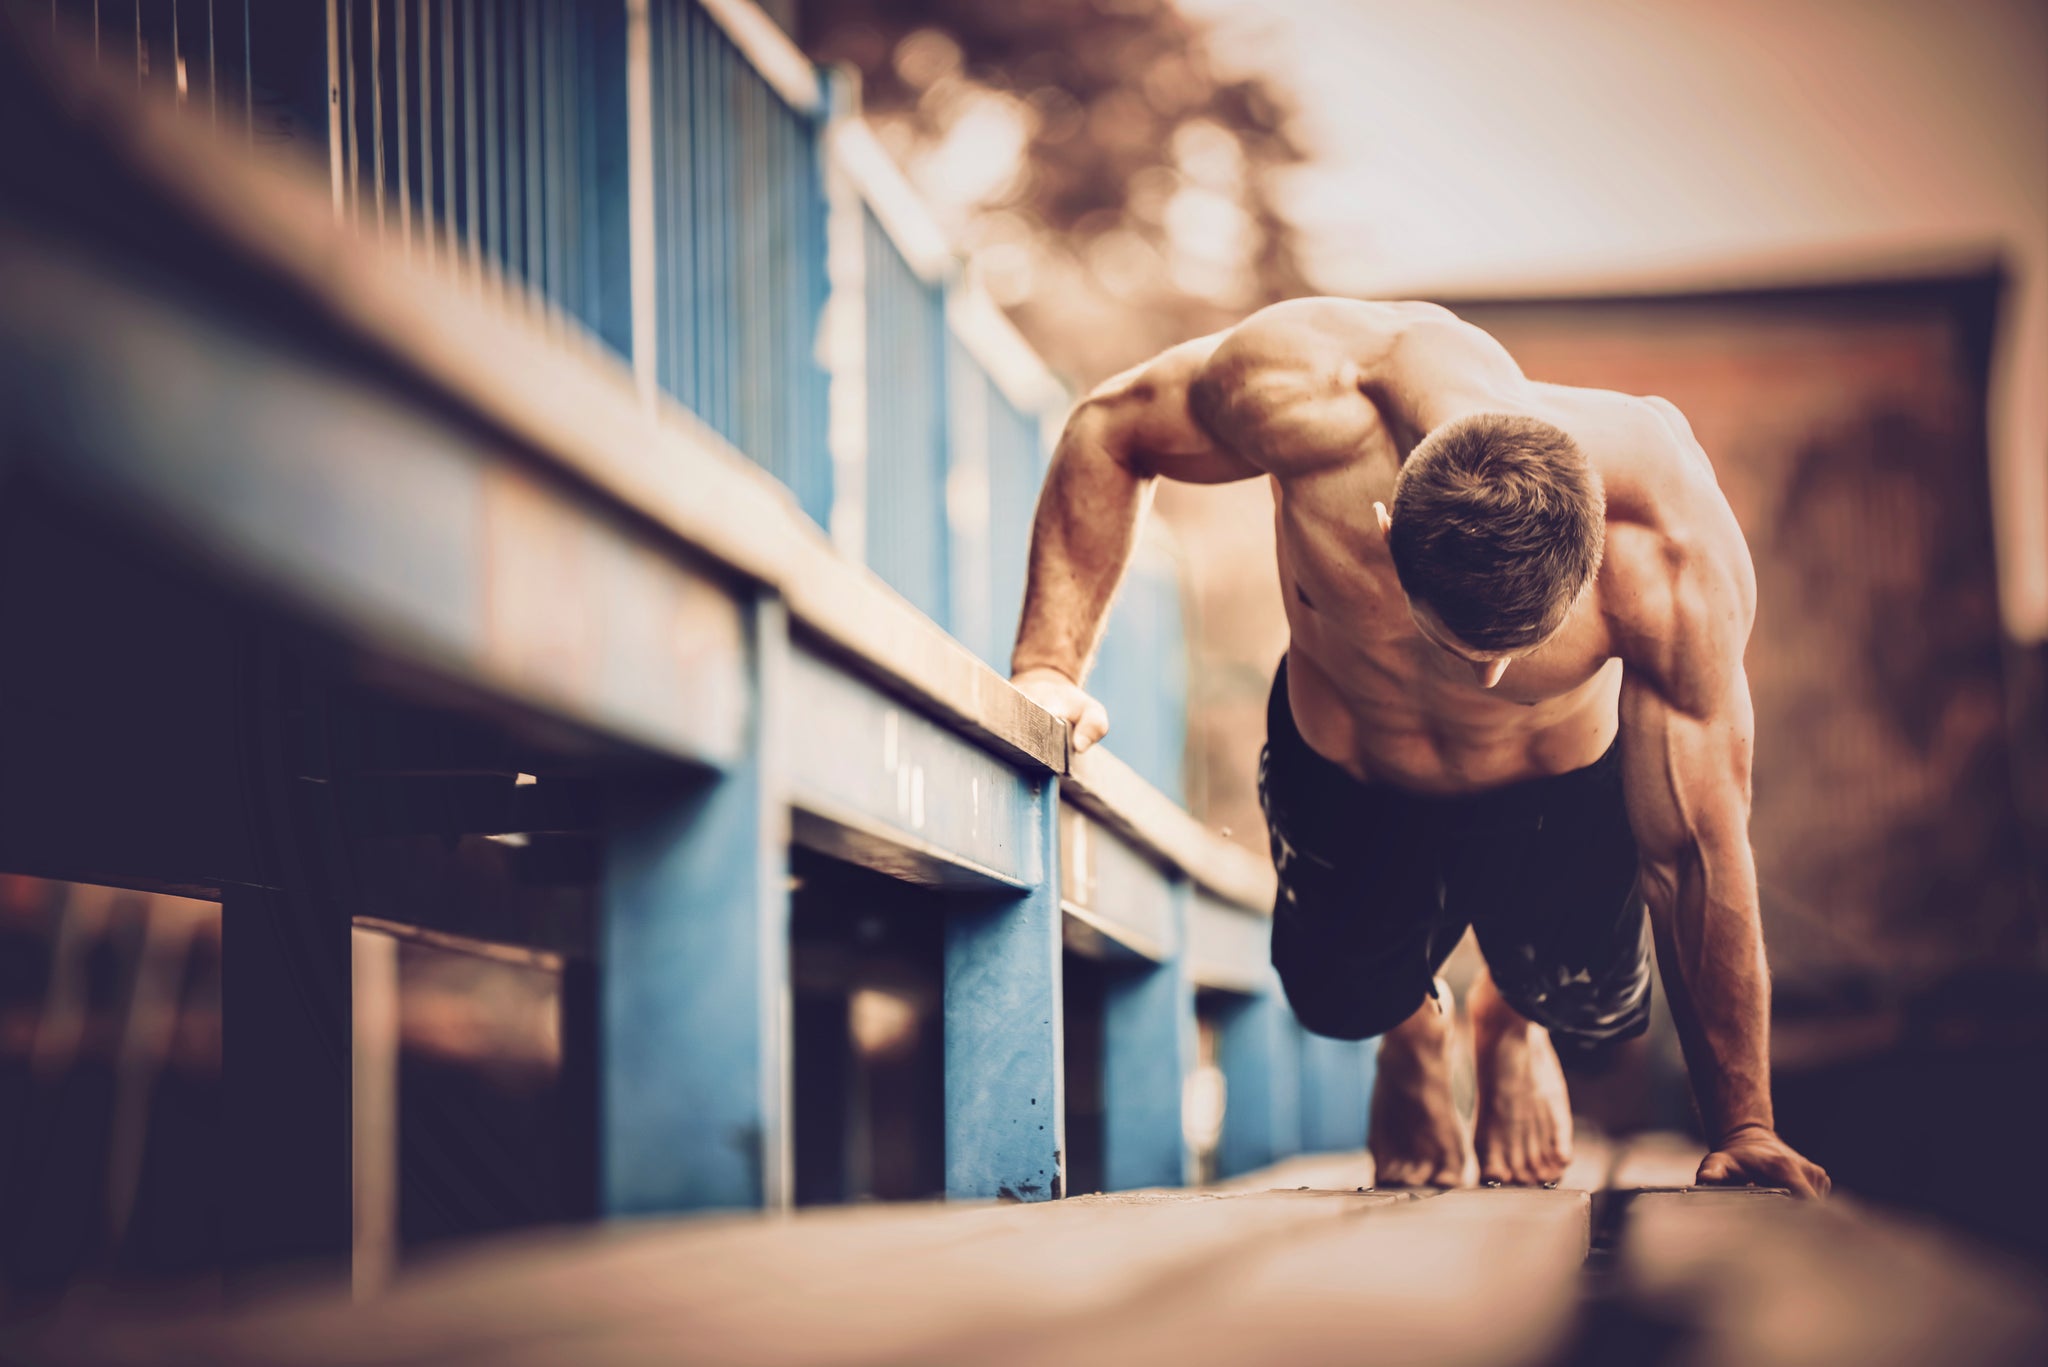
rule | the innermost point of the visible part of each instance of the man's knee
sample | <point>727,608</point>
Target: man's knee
<point>1346,1011</point>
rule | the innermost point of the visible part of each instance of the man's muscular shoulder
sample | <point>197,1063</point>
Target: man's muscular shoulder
<point>1306,384</point>
<point>1677,585</point>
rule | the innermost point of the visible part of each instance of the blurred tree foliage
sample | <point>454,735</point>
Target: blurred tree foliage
<point>1114,183</point>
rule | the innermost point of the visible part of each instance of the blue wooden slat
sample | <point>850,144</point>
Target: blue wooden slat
<point>1149,1048</point>
<point>863,759</point>
<point>1117,892</point>
<point>1005,1086</point>
<point>694,972</point>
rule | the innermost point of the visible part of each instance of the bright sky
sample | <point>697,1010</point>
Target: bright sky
<point>1491,146</point>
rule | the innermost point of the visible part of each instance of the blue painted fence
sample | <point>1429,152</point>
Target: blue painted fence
<point>497,131</point>
<point>739,252</point>
<point>907,443</point>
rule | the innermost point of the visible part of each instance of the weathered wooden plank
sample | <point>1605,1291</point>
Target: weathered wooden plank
<point>1229,947</point>
<point>1470,1277</point>
<point>882,773</point>
<point>1005,1079</point>
<point>1117,892</point>
<point>888,1284</point>
<point>693,972</point>
<point>1762,1279</point>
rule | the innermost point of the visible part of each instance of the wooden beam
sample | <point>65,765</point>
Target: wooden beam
<point>866,763</point>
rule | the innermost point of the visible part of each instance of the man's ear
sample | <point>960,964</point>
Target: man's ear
<point>1386,519</point>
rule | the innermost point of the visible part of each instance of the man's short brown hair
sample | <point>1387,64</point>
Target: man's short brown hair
<point>1497,526</point>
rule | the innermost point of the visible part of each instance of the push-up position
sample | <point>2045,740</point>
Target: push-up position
<point>1514,700</point>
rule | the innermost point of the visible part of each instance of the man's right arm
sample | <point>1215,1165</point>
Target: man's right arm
<point>1132,430</point>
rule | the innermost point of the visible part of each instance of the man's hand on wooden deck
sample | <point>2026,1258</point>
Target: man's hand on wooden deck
<point>1755,1156</point>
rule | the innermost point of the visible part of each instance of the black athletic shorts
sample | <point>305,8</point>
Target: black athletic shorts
<point>1377,885</point>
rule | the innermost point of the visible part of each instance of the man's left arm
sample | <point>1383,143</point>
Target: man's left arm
<point>1688,731</point>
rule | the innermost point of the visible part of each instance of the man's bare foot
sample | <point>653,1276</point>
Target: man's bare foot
<point>1524,1121</point>
<point>1418,1137</point>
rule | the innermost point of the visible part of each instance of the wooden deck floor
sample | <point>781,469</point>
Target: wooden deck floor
<point>1299,1264</point>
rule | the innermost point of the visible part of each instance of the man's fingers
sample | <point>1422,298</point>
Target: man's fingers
<point>1091,726</point>
<point>1715,1171</point>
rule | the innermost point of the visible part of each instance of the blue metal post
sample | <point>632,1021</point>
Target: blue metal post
<point>1260,1054</point>
<point>1005,1090</point>
<point>694,977</point>
<point>1149,1034</point>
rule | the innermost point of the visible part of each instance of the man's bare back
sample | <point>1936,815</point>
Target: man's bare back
<point>1327,398</point>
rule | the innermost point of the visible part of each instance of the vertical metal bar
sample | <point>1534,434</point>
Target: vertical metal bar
<point>404,133</point>
<point>95,35</point>
<point>678,167</point>
<point>513,255</point>
<point>428,233</point>
<point>493,234</point>
<point>704,212</point>
<point>336,170</point>
<point>640,196</point>
<point>177,60</point>
<point>373,1112</point>
<point>570,115</point>
<point>724,68</point>
<point>377,108</point>
<point>535,155</point>
<point>355,156</point>
<point>448,220</point>
<point>140,51</point>
<point>472,219</point>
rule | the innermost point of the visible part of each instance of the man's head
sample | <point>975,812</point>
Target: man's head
<point>1496,529</point>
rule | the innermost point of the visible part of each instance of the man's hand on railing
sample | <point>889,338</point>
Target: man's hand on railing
<point>1062,697</point>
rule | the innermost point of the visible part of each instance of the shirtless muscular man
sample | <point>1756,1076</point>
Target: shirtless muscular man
<point>1513,700</point>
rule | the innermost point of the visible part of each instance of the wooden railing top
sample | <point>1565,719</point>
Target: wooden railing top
<point>571,408</point>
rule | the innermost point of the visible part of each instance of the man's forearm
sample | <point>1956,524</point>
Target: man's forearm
<point>1081,540</point>
<point>1711,955</point>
